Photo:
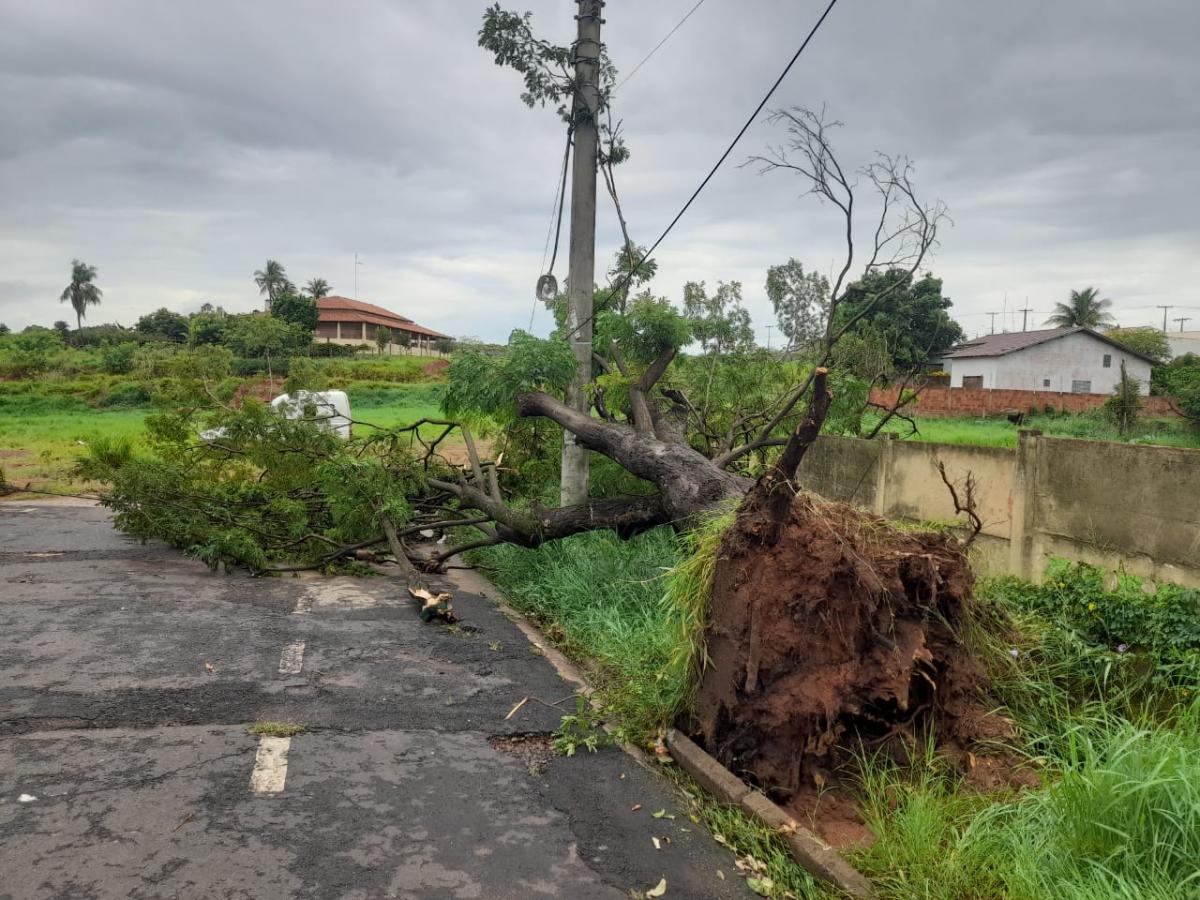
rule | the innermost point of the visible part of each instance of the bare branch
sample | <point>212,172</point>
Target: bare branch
<point>966,504</point>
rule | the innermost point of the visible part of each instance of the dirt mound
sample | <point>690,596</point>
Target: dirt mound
<point>437,368</point>
<point>840,631</point>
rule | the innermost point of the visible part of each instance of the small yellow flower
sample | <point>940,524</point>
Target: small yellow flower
<point>1092,606</point>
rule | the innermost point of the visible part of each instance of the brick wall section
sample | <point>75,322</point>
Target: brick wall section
<point>946,402</point>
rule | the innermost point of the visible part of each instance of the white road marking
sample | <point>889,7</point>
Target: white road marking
<point>270,765</point>
<point>291,661</point>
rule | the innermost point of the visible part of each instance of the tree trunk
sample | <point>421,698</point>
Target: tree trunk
<point>687,480</point>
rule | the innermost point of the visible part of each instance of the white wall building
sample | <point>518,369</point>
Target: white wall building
<point>1065,360</point>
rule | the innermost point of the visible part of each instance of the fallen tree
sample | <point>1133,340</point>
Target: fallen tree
<point>686,435</point>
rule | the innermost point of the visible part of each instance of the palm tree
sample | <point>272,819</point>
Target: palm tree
<point>271,280</point>
<point>317,288</point>
<point>82,291</point>
<point>1084,309</point>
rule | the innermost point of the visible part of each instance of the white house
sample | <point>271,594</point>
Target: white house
<point>1065,360</point>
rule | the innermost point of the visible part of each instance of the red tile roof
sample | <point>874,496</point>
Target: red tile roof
<point>343,309</point>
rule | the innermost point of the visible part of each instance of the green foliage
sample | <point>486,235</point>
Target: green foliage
<point>82,292</point>
<point>207,328</point>
<point>271,279</point>
<point>260,487</point>
<point>1124,407</point>
<point>911,317</point>
<point>801,302</point>
<point>486,385</point>
<point>30,352</point>
<point>1180,378</point>
<point>127,394</point>
<point>686,601</point>
<point>1083,309</point>
<point>547,69</point>
<point>598,598</point>
<point>265,336</point>
<point>317,288</point>
<point>162,321</point>
<point>582,729</point>
<point>720,323</point>
<point>383,337</point>
<point>1120,820</point>
<point>296,310</point>
<point>1149,342</point>
<point>117,359</point>
<point>1147,635</point>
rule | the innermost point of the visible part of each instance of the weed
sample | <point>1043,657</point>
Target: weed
<point>581,729</point>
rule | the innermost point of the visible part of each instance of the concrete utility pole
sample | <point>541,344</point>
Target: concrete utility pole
<point>1182,320</point>
<point>573,487</point>
<point>1164,309</point>
<point>769,330</point>
<point>993,315</point>
<point>1025,311</point>
<point>356,265</point>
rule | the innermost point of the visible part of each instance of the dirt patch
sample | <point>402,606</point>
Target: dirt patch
<point>437,368</point>
<point>534,749</point>
<point>840,635</point>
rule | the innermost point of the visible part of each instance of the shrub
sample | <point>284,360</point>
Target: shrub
<point>127,394</point>
<point>1144,634</point>
<point>117,359</point>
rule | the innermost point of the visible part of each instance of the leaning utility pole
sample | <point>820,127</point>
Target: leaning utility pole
<point>581,276</point>
<point>1025,311</point>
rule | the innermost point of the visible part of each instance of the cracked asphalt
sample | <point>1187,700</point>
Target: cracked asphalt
<point>129,676</point>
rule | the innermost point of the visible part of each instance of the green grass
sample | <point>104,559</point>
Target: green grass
<point>45,424</point>
<point>600,599</point>
<point>999,432</point>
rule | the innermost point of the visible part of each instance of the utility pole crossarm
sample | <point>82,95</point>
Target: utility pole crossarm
<point>582,274</point>
<point>1164,309</point>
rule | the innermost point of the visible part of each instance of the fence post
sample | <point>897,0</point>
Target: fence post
<point>1022,558</point>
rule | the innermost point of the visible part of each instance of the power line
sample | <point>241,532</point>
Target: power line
<point>559,197</point>
<point>707,178</point>
<point>646,58</point>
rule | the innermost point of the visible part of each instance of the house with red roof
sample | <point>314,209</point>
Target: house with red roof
<point>345,321</point>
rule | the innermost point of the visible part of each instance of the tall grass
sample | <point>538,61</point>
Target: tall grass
<point>1119,818</point>
<point>600,598</point>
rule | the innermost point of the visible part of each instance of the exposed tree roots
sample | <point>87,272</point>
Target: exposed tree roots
<point>833,630</point>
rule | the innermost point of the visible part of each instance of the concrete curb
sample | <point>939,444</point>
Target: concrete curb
<point>821,860</point>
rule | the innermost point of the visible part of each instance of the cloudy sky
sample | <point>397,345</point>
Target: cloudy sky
<point>176,146</point>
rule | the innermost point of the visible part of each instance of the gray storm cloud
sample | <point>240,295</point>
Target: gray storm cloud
<point>177,146</point>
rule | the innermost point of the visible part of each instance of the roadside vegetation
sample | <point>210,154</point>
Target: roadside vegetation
<point>1100,794</point>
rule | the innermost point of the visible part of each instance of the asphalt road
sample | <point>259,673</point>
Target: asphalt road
<point>129,675</point>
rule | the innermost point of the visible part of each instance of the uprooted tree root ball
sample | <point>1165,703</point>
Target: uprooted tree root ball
<point>833,633</point>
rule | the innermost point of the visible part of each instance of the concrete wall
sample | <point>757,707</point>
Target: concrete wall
<point>1092,501</point>
<point>1053,366</point>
